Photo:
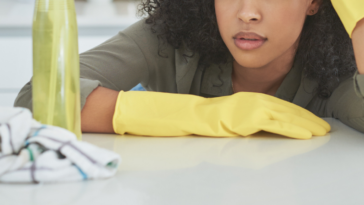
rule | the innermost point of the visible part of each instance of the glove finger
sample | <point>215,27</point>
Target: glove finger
<point>285,129</point>
<point>287,107</point>
<point>280,105</point>
<point>315,128</point>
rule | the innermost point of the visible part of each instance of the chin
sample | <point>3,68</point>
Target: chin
<point>251,62</point>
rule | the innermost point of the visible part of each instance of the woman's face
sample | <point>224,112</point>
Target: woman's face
<point>260,32</point>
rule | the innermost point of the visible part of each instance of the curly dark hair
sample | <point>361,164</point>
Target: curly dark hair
<point>325,49</point>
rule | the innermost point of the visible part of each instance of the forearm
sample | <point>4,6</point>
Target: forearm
<point>98,112</point>
<point>358,44</point>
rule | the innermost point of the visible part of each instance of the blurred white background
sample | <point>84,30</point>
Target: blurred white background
<point>98,20</point>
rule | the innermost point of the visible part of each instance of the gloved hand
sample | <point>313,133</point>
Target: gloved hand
<point>244,113</point>
<point>350,12</point>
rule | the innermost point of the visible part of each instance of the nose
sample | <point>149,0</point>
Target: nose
<point>248,11</point>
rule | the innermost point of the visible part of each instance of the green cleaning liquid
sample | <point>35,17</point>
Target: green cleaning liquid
<point>56,72</point>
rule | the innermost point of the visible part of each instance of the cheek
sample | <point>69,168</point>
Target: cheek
<point>226,16</point>
<point>285,27</point>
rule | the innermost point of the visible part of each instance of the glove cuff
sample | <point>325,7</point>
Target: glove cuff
<point>117,119</point>
<point>350,12</point>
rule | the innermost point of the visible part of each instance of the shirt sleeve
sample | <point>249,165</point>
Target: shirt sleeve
<point>347,102</point>
<point>117,64</point>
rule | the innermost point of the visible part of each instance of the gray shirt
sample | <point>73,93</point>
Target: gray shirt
<point>132,57</point>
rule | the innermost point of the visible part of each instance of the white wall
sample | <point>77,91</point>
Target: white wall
<point>16,63</point>
<point>97,22</point>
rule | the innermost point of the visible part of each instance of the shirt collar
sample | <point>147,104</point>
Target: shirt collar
<point>216,80</point>
<point>288,89</point>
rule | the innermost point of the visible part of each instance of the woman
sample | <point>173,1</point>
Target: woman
<point>296,50</point>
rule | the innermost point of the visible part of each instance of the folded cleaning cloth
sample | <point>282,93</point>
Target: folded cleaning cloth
<point>32,152</point>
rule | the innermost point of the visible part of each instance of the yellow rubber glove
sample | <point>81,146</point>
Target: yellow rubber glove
<point>244,113</point>
<point>350,12</point>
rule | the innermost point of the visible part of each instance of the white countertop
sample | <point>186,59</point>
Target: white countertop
<point>260,170</point>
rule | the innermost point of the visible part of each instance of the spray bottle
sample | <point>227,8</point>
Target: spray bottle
<point>56,89</point>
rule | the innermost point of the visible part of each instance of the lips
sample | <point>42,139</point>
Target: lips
<point>248,40</point>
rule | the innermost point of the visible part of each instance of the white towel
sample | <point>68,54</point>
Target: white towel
<point>32,152</point>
